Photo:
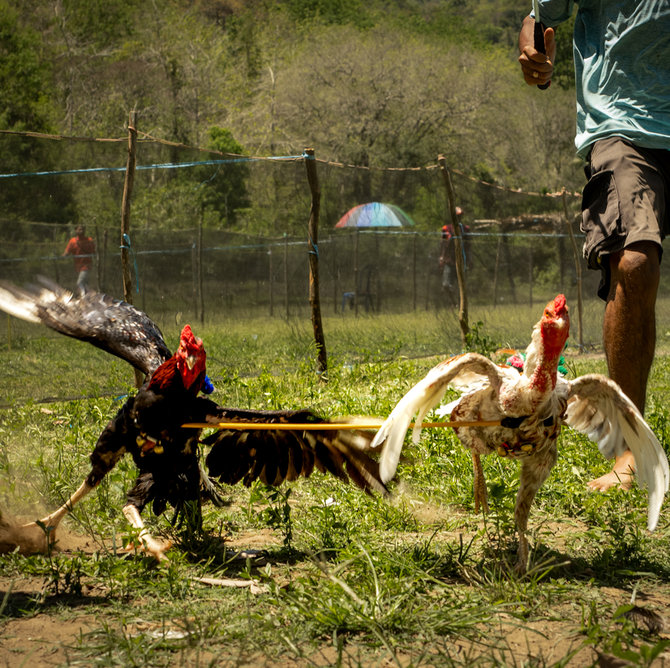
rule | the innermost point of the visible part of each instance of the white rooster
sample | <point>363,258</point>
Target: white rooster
<point>527,410</point>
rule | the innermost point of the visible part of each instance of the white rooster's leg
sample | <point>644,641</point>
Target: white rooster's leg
<point>534,471</point>
<point>151,545</point>
<point>481,501</point>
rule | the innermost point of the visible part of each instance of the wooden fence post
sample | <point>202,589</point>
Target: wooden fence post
<point>125,209</point>
<point>270,280</point>
<point>578,271</point>
<point>286,300</point>
<point>125,221</point>
<point>96,227</point>
<point>201,291</point>
<point>194,276</point>
<point>508,262</point>
<point>530,274</point>
<point>357,290</point>
<point>313,240</point>
<point>496,269</point>
<point>414,290</point>
<point>458,246</point>
<point>102,261</point>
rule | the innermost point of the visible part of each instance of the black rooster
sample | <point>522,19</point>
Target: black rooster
<point>149,424</point>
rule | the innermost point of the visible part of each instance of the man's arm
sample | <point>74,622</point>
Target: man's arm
<point>537,67</point>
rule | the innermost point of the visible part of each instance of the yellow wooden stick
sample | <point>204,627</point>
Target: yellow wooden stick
<point>307,426</point>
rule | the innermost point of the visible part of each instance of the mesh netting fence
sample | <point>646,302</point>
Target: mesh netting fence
<point>211,233</point>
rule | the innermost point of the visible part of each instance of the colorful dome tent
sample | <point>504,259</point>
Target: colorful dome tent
<point>376,215</point>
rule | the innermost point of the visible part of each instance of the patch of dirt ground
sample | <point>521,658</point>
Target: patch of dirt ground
<point>50,638</point>
<point>47,640</point>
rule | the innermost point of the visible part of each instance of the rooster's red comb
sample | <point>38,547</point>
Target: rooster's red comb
<point>560,304</point>
<point>188,339</point>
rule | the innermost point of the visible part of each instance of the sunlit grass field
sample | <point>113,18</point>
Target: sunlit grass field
<point>345,579</point>
<point>39,364</point>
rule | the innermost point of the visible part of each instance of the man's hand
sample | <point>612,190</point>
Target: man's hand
<point>537,67</point>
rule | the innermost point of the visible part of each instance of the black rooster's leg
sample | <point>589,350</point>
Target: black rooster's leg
<point>107,452</point>
<point>150,545</point>
<point>481,502</point>
<point>50,523</point>
<point>209,489</point>
<point>534,471</point>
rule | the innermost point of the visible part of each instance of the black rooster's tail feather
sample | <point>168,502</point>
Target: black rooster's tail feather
<point>110,324</point>
<point>273,456</point>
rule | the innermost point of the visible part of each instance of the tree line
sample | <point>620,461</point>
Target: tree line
<point>374,83</point>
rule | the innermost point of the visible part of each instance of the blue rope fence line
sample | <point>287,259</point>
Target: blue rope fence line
<point>167,165</point>
<point>171,251</point>
<point>147,138</point>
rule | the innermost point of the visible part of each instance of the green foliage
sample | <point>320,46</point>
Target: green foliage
<point>28,103</point>
<point>278,512</point>
<point>478,342</point>
<point>329,11</point>
<point>24,76</point>
<point>99,23</point>
<point>225,186</point>
<point>277,77</point>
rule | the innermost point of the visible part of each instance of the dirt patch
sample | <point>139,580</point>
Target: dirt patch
<point>263,539</point>
<point>42,640</point>
<point>51,637</point>
<point>30,538</point>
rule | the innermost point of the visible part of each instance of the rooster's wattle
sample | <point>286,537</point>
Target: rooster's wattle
<point>530,408</point>
<point>149,424</point>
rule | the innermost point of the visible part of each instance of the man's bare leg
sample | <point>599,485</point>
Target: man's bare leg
<point>629,337</point>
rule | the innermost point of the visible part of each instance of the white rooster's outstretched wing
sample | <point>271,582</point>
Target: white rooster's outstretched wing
<point>598,408</point>
<point>468,382</point>
<point>424,396</point>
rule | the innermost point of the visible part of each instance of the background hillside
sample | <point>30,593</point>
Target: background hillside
<point>380,84</point>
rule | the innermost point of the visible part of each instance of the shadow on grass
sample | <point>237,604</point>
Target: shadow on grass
<point>18,605</point>
<point>607,567</point>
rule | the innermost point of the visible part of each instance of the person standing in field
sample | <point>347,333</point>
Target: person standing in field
<point>622,77</point>
<point>82,248</point>
<point>447,259</point>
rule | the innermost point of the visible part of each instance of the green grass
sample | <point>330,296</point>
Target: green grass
<point>248,346</point>
<point>348,579</point>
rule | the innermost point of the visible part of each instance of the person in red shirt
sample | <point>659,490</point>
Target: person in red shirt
<point>82,248</point>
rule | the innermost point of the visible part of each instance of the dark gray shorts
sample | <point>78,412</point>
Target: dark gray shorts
<point>625,201</point>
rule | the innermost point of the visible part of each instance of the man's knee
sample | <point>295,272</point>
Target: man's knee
<point>637,267</point>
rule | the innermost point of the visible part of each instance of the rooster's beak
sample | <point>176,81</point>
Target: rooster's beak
<point>190,362</point>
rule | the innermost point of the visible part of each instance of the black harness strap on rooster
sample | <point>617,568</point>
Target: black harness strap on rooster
<point>149,425</point>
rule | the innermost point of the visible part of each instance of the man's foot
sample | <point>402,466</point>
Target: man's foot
<point>623,479</point>
<point>621,474</point>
